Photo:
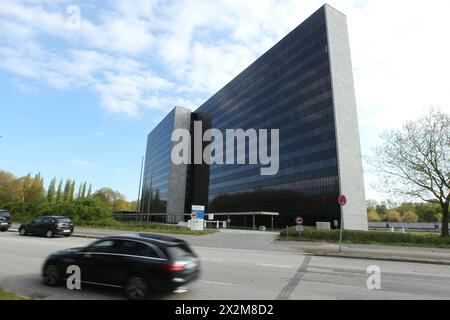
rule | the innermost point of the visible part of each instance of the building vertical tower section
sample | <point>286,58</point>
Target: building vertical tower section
<point>351,178</point>
<point>164,186</point>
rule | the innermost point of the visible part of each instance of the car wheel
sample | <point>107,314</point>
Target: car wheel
<point>136,288</point>
<point>49,234</point>
<point>67,235</point>
<point>23,232</point>
<point>3,230</point>
<point>52,276</point>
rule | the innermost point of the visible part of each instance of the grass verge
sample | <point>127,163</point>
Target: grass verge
<point>409,239</point>
<point>155,228</point>
<point>11,296</point>
<point>130,226</point>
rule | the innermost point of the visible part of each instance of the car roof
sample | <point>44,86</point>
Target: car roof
<point>56,217</point>
<point>150,238</point>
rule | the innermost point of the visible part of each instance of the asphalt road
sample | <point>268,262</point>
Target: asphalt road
<point>230,274</point>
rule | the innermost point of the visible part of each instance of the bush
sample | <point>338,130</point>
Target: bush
<point>82,211</point>
<point>370,237</point>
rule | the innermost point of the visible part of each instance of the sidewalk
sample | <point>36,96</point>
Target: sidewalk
<point>267,241</point>
<point>374,252</point>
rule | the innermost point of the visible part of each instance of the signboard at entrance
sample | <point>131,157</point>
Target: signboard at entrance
<point>299,220</point>
<point>197,218</point>
<point>199,211</point>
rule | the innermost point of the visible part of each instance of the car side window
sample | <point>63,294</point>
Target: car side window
<point>38,220</point>
<point>46,220</point>
<point>103,246</point>
<point>134,248</point>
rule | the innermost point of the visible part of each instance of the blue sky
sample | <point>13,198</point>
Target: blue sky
<point>77,101</point>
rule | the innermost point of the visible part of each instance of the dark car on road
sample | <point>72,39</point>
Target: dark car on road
<point>5,220</point>
<point>141,264</point>
<point>48,226</point>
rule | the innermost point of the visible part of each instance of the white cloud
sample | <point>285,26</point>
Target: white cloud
<point>81,163</point>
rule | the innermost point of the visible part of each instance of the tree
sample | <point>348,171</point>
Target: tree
<point>36,190</point>
<point>72,191</point>
<point>415,161</point>
<point>51,192</point>
<point>410,217</point>
<point>59,193</point>
<point>83,191</point>
<point>80,192</point>
<point>67,190</point>
<point>381,209</point>
<point>89,193</point>
<point>10,188</point>
<point>393,216</point>
<point>108,196</point>
<point>123,205</point>
<point>373,216</point>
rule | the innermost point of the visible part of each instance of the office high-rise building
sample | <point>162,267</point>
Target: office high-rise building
<point>304,87</point>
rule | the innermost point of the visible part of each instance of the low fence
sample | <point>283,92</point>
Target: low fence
<point>147,218</point>
<point>433,227</point>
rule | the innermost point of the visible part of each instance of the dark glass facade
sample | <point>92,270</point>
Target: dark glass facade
<point>288,88</point>
<point>158,163</point>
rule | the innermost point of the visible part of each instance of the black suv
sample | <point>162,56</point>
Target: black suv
<point>139,263</point>
<point>48,226</point>
<point>5,220</point>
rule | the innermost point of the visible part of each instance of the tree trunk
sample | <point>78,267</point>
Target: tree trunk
<point>445,220</point>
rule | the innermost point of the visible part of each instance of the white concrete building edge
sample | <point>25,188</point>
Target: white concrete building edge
<point>346,122</point>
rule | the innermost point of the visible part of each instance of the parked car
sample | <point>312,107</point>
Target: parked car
<point>48,226</point>
<point>5,220</point>
<point>138,263</point>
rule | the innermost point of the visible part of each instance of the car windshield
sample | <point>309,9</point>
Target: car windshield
<point>4,214</point>
<point>64,220</point>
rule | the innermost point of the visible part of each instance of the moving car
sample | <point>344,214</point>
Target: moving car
<point>48,226</point>
<point>138,263</point>
<point>5,220</point>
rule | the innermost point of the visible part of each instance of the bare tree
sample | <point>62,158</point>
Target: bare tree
<point>415,161</point>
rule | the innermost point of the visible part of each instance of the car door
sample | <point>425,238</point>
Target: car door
<point>43,226</point>
<point>136,257</point>
<point>33,226</point>
<point>98,262</point>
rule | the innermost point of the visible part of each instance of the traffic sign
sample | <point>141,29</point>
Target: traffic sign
<point>299,220</point>
<point>343,200</point>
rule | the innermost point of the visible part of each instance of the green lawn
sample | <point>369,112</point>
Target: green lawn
<point>156,228</point>
<point>412,239</point>
<point>11,296</point>
<point>128,226</point>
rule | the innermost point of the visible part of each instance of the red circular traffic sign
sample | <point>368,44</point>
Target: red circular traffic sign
<point>343,200</point>
<point>299,220</point>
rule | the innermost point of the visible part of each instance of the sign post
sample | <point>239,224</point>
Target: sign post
<point>343,202</point>
<point>299,221</point>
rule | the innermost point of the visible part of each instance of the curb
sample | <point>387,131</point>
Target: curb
<point>73,235</point>
<point>380,258</point>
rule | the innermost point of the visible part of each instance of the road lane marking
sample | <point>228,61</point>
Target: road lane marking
<point>287,291</point>
<point>217,283</point>
<point>274,266</point>
<point>212,260</point>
